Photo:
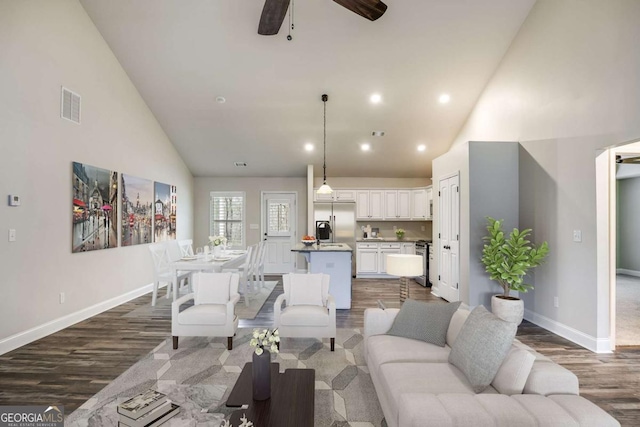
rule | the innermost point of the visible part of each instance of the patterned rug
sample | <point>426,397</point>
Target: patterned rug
<point>201,373</point>
<point>162,308</point>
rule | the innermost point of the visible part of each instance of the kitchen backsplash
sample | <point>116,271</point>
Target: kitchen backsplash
<point>413,229</point>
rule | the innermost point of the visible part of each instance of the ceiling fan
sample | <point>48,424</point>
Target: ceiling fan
<point>274,12</point>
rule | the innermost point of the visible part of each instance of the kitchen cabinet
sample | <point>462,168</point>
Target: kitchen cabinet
<point>345,195</point>
<point>386,249</point>
<point>419,204</point>
<point>323,197</point>
<point>397,204</point>
<point>430,203</point>
<point>409,248</point>
<point>369,204</point>
<point>367,258</point>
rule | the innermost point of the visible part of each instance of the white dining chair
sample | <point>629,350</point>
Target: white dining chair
<point>259,267</point>
<point>162,272</point>
<point>245,271</point>
<point>186,247</point>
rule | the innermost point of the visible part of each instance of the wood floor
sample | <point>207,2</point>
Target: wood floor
<point>70,366</point>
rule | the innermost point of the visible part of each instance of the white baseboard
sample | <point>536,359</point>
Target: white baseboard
<point>628,272</point>
<point>41,331</point>
<point>597,345</point>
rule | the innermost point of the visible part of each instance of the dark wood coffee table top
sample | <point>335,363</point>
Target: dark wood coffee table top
<point>291,403</point>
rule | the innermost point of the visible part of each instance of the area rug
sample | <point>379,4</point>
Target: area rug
<point>201,373</point>
<point>162,309</point>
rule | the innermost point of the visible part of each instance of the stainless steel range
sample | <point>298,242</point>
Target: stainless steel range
<point>422,249</point>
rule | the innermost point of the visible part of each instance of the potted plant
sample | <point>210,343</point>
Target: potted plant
<point>507,260</point>
<point>400,233</point>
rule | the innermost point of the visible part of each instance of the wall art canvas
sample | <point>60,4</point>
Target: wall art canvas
<point>137,210</point>
<point>164,209</point>
<point>95,208</point>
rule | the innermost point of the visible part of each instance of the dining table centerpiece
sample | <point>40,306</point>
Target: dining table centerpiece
<point>265,342</point>
<point>217,243</point>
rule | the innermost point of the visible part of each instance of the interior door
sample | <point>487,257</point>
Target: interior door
<point>449,238</point>
<point>279,230</point>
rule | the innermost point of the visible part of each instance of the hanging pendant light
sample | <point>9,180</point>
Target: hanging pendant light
<point>324,188</point>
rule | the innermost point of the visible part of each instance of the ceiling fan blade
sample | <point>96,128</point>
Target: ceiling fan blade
<point>273,14</point>
<point>370,9</point>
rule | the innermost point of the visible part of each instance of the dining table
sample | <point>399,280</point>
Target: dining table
<point>226,259</point>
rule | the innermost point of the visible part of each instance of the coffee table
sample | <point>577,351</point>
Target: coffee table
<point>291,403</point>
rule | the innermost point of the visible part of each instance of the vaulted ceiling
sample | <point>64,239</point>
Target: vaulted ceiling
<point>183,54</point>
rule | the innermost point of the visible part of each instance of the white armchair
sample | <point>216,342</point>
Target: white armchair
<point>310,310</point>
<point>213,313</point>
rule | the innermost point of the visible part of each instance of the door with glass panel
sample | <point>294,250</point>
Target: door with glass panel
<point>279,214</point>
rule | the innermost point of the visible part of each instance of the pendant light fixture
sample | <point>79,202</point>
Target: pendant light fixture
<point>324,188</point>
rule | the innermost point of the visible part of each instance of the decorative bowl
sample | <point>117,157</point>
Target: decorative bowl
<point>308,242</point>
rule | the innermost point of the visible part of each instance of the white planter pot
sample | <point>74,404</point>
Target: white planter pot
<point>511,310</point>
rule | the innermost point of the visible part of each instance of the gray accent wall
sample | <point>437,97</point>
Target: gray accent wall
<point>628,226</point>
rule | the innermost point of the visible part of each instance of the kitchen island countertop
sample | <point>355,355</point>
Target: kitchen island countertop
<point>323,247</point>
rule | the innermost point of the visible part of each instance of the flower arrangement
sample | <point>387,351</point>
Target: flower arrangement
<point>217,240</point>
<point>245,422</point>
<point>400,233</point>
<point>265,339</point>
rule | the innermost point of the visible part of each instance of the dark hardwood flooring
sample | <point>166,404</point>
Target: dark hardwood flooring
<point>70,366</point>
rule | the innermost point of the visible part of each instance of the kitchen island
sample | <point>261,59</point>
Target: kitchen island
<point>333,259</point>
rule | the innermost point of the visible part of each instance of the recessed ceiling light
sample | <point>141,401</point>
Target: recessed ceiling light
<point>221,100</point>
<point>308,147</point>
<point>422,147</point>
<point>375,98</point>
<point>365,147</point>
<point>444,98</point>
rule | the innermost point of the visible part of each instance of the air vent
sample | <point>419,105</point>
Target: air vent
<point>377,133</point>
<point>240,164</point>
<point>70,105</point>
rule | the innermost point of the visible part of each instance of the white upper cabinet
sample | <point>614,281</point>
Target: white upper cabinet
<point>430,203</point>
<point>345,195</point>
<point>419,204</point>
<point>397,204</point>
<point>323,197</point>
<point>369,204</point>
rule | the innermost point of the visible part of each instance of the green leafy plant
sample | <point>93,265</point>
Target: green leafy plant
<point>507,260</point>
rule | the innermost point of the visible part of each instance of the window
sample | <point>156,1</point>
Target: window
<point>227,217</point>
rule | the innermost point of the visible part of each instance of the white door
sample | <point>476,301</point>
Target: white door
<point>279,214</point>
<point>449,236</point>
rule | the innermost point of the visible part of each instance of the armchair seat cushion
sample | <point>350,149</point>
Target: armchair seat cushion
<point>204,314</point>
<point>305,315</point>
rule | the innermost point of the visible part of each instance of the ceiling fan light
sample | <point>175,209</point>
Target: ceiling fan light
<point>324,189</point>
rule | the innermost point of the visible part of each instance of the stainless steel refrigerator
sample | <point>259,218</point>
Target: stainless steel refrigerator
<point>340,218</point>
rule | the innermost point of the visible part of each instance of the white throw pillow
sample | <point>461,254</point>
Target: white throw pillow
<point>306,289</point>
<point>514,371</point>
<point>211,288</point>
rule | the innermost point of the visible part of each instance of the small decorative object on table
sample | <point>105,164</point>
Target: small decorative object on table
<point>400,233</point>
<point>308,240</point>
<point>265,341</point>
<point>217,242</point>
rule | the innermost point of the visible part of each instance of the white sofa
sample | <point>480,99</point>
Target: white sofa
<point>417,387</point>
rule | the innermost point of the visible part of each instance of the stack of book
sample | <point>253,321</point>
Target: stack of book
<point>148,409</point>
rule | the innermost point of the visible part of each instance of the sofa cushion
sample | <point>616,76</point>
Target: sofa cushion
<point>211,288</point>
<point>387,349</point>
<point>545,411</point>
<point>305,315</point>
<point>457,320</point>
<point>481,346</point>
<point>305,289</point>
<point>424,321</point>
<point>514,371</point>
<point>204,314</point>
<point>548,378</point>
<point>587,414</point>
<point>435,378</point>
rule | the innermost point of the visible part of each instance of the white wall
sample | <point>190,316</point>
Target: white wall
<point>45,45</point>
<point>253,188</point>
<point>567,86</point>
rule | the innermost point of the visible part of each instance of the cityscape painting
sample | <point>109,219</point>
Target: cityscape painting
<point>95,208</point>
<point>164,218</point>
<point>137,210</point>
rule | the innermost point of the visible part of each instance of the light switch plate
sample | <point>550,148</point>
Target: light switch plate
<point>14,200</point>
<point>12,234</point>
<point>577,236</point>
